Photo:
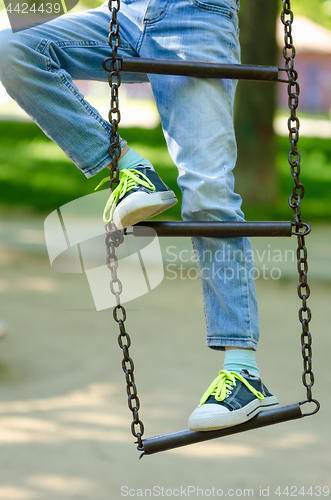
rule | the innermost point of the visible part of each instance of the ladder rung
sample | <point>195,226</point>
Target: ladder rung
<point>214,229</point>
<point>184,438</point>
<point>201,69</point>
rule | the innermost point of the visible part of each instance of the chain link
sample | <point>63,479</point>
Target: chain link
<point>114,80</point>
<point>298,192</point>
<point>115,237</point>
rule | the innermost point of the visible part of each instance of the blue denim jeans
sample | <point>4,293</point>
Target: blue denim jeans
<point>38,65</point>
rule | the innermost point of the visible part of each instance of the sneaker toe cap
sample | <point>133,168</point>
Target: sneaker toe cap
<point>207,417</point>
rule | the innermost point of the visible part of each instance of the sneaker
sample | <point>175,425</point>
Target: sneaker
<point>231,399</point>
<point>140,194</point>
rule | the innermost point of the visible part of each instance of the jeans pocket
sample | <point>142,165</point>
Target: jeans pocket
<point>224,7</point>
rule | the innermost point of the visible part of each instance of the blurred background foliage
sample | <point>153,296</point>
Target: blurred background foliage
<point>36,175</point>
<point>317,10</point>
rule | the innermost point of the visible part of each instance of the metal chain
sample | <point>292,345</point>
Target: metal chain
<point>301,228</point>
<point>114,80</point>
<point>115,237</point>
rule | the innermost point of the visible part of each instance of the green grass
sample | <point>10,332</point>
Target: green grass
<point>315,175</point>
<point>35,174</point>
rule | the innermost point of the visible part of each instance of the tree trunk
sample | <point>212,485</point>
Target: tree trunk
<point>256,176</point>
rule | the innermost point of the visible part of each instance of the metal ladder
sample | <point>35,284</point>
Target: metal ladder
<point>114,66</point>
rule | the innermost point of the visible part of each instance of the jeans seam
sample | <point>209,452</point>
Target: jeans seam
<point>213,8</point>
<point>245,293</point>
<point>141,39</point>
<point>41,49</point>
<point>83,102</point>
<point>72,44</point>
<point>161,16</point>
<point>248,293</point>
<point>96,167</point>
<point>219,341</point>
<point>201,287</point>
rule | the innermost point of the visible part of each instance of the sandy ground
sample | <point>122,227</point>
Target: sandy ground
<point>64,423</point>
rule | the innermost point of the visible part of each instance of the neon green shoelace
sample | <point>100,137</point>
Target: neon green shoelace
<point>222,385</point>
<point>128,180</point>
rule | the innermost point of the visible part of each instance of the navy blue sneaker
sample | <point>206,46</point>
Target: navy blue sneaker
<point>231,399</point>
<point>141,194</point>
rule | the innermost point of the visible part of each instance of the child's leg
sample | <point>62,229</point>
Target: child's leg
<point>197,117</point>
<point>37,68</point>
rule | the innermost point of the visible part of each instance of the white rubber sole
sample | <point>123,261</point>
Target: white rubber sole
<point>140,205</point>
<point>211,417</point>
